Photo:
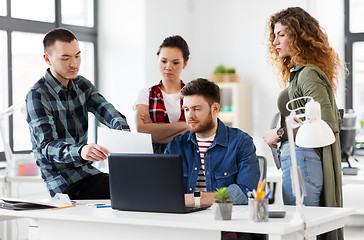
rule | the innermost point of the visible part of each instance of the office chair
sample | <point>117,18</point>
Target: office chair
<point>263,176</point>
<point>274,124</point>
<point>347,141</point>
<point>262,167</point>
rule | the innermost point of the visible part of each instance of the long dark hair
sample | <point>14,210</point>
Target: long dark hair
<point>177,42</point>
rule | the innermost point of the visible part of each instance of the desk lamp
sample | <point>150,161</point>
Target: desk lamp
<point>313,132</point>
<point>7,113</point>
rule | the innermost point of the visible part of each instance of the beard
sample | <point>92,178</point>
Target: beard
<point>205,126</point>
<point>66,77</point>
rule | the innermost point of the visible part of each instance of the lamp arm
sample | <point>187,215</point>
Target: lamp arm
<point>296,120</point>
<point>10,110</point>
<point>296,99</point>
<point>7,113</point>
<point>7,149</point>
<point>290,122</point>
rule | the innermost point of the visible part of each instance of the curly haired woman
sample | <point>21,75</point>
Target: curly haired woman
<point>308,66</point>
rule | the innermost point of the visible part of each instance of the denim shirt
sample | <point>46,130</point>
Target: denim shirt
<point>230,162</point>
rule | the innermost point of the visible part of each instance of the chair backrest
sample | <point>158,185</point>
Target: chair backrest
<point>262,167</point>
<point>274,124</point>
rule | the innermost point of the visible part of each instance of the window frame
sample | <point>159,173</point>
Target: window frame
<point>10,24</point>
<point>350,39</point>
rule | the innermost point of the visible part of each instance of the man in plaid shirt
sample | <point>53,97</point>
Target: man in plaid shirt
<point>57,113</point>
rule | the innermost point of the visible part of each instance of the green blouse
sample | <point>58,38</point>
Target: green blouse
<point>312,81</point>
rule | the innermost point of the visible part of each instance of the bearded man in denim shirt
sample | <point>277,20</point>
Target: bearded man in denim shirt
<point>214,155</point>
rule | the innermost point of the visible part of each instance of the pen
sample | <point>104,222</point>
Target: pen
<point>248,193</point>
<point>101,206</point>
<point>64,207</point>
<point>267,195</point>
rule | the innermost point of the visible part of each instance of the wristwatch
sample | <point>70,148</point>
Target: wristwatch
<point>280,132</point>
<point>123,127</point>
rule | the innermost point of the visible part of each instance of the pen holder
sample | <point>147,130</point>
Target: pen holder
<point>258,210</point>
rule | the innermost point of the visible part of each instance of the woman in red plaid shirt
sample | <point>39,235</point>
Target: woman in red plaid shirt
<point>158,109</point>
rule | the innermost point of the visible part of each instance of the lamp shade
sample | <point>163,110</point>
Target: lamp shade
<point>314,132</point>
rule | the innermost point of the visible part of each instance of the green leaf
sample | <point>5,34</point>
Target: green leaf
<point>220,69</point>
<point>230,70</point>
<point>221,195</point>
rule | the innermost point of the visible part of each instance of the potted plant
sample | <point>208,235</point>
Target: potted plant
<point>223,206</point>
<point>223,74</point>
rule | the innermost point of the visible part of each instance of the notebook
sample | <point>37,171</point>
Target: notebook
<point>148,183</point>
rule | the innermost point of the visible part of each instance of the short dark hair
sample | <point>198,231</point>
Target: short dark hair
<point>177,42</point>
<point>203,87</point>
<point>57,34</point>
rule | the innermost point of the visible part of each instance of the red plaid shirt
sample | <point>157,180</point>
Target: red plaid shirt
<point>157,109</point>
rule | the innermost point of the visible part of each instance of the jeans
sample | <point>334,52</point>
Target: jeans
<point>311,169</point>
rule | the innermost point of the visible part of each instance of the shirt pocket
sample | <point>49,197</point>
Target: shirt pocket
<point>226,176</point>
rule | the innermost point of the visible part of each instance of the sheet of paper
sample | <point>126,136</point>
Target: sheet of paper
<point>116,141</point>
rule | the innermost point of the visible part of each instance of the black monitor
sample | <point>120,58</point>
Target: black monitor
<point>347,135</point>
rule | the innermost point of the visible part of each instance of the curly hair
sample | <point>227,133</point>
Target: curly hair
<point>309,45</point>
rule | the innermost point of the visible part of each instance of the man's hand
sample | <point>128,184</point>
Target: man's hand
<point>94,152</point>
<point>207,198</point>
<point>189,200</point>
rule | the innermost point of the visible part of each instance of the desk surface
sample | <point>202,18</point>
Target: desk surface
<point>355,179</point>
<point>316,218</point>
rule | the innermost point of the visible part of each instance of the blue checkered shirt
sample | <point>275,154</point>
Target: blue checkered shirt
<point>58,123</point>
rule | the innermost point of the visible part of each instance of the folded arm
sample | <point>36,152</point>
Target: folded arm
<point>161,132</point>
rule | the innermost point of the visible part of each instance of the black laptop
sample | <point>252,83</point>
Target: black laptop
<point>148,183</point>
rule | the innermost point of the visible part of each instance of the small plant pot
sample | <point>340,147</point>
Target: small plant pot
<point>223,211</point>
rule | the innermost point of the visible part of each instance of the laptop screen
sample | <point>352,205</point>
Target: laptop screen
<point>146,182</point>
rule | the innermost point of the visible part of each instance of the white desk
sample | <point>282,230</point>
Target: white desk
<point>9,187</point>
<point>353,188</point>
<point>352,185</point>
<point>83,222</point>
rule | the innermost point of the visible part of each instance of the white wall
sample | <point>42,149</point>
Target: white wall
<point>164,18</point>
<point>231,32</point>
<point>331,17</point>
<point>122,44</point>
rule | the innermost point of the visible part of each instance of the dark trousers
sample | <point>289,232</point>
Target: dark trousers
<point>159,147</point>
<point>242,236</point>
<point>92,187</point>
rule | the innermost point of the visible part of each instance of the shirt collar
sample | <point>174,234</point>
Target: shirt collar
<point>55,84</point>
<point>294,71</point>
<point>158,87</point>
<point>297,68</point>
